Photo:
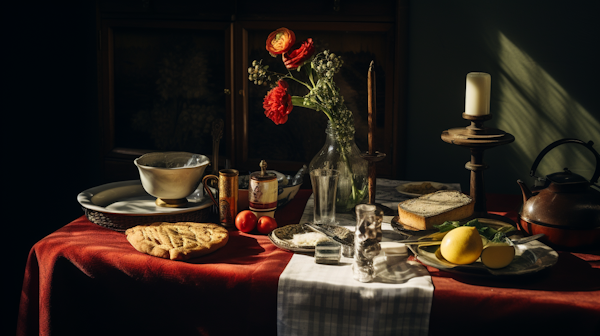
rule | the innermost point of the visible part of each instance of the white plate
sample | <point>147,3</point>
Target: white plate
<point>438,186</point>
<point>289,246</point>
<point>282,237</point>
<point>529,258</point>
<point>130,198</point>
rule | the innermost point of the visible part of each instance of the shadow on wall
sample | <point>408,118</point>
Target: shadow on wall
<point>544,72</point>
<point>537,110</point>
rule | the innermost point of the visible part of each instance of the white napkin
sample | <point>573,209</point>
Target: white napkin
<point>316,299</point>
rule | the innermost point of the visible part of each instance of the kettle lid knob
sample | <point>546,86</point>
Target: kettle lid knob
<point>567,176</point>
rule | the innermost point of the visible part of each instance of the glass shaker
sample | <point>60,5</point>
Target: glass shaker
<point>367,237</point>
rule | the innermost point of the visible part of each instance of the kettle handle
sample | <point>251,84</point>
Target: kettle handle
<point>589,145</point>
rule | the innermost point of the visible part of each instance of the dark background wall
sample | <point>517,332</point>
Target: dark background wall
<point>49,127</point>
<point>542,57</point>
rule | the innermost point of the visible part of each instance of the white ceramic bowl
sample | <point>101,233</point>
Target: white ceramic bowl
<point>171,175</point>
<point>286,193</point>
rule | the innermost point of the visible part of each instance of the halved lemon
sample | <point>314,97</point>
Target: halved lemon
<point>497,255</point>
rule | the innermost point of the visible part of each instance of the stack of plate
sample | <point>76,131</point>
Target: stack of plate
<point>122,205</point>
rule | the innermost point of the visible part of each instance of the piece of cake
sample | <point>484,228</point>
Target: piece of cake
<point>433,209</point>
<point>177,241</point>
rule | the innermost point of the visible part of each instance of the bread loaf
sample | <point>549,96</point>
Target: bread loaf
<point>433,209</point>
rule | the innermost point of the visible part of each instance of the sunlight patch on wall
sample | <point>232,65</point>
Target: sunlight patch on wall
<point>534,108</point>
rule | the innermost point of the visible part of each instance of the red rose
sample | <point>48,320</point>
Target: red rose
<point>278,103</point>
<point>280,41</point>
<point>297,57</point>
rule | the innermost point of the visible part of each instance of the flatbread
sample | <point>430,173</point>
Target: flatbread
<point>177,241</point>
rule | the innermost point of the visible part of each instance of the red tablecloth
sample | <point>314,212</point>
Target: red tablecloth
<point>561,300</point>
<point>84,279</point>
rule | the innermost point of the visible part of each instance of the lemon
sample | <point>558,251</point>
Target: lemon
<point>462,245</point>
<point>497,255</point>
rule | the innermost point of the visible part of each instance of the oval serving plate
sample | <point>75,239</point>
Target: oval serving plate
<point>420,188</point>
<point>410,231</point>
<point>529,258</point>
<point>282,237</point>
<point>130,198</point>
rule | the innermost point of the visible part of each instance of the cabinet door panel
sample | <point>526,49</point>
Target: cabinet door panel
<point>165,86</point>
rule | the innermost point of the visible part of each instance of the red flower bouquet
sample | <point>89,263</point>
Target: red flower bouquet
<point>323,95</point>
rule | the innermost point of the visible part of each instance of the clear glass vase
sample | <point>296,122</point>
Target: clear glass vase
<point>353,169</point>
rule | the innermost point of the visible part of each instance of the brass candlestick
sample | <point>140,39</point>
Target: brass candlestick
<point>478,138</point>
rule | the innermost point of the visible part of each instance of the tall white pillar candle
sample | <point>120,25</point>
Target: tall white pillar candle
<point>477,96</point>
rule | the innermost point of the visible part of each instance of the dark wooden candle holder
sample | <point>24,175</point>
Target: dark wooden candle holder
<point>478,138</point>
<point>372,158</point>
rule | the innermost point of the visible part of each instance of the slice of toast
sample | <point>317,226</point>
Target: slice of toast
<point>433,209</point>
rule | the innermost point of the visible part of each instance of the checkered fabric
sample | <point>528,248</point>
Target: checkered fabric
<point>316,299</point>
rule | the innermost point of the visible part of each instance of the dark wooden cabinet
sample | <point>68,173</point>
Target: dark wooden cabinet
<point>168,69</point>
<point>163,84</point>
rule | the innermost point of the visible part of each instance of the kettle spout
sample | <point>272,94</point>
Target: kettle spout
<point>525,190</point>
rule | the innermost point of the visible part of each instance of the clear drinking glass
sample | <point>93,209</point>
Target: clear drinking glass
<point>324,185</point>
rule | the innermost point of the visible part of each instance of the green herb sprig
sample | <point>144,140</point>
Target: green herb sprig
<point>494,235</point>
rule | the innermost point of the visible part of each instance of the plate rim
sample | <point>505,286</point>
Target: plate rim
<point>85,199</point>
<point>484,271</point>
<point>395,223</point>
<point>291,247</point>
<point>449,185</point>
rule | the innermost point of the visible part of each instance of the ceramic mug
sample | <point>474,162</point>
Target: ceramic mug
<point>227,194</point>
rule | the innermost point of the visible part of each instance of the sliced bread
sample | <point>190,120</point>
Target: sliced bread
<point>433,209</point>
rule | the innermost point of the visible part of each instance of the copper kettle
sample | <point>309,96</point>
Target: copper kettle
<point>566,208</point>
